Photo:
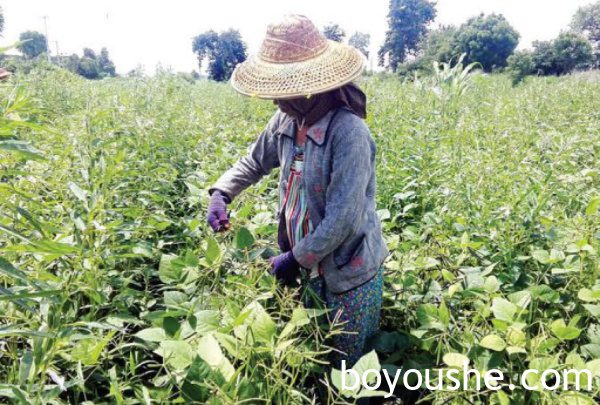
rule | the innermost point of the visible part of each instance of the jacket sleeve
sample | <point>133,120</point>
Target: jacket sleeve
<point>248,170</point>
<point>352,163</point>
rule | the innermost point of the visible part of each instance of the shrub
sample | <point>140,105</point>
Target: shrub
<point>520,65</point>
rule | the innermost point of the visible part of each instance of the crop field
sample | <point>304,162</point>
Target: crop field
<point>114,290</point>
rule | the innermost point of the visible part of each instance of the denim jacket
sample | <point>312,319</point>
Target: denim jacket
<point>339,179</point>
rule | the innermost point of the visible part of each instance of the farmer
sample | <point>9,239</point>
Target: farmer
<point>329,232</point>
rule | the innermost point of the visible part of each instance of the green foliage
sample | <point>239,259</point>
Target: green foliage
<point>407,25</point>
<point>114,290</point>
<point>489,40</point>
<point>565,54</point>
<point>449,81</point>
<point>361,41</point>
<point>90,65</point>
<point>586,21</point>
<point>520,65</point>
<point>437,46</point>
<point>572,52</point>
<point>223,51</point>
<point>334,32</point>
<point>32,44</point>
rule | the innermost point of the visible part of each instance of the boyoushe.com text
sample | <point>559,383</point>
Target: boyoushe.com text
<point>455,379</point>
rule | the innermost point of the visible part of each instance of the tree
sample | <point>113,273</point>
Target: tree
<point>334,32</point>
<point>32,44</point>
<point>88,68</point>
<point>407,25</point>
<point>361,41</point>
<point>89,53</point>
<point>91,65</point>
<point>544,58</point>
<point>586,21</point>
<point>565,54</point>
<point>573,52</point>
<point>1,20</point>
<point>204,45</point>
<point>489,40</point>
<point>107,66</point>
<point>223,51</point>
<point>438,46</point>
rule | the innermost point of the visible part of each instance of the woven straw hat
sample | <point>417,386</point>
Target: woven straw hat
<point>4,74</point>
<point>296,60</point>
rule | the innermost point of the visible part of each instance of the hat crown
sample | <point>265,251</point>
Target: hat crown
<point>293,39</point>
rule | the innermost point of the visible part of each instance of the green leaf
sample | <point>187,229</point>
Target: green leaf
<point>152,335</point>
<point>21,148</point>
<point>444,314</point>
<point>209,350</point>
<point>11,271</point>
<point>177,354</point>
<point>36,294</point>
<point>516,337</point>
<point>243,238</point>
<point>541,256</point>
<point>176,300</point>
<point>25,367</point>
<point>213,251</point>
<point>88,350</point>
<point>78,192</point>
<point>515,350</point>
<point>455,359</point>
<point>563,331</point>
<point>493,342</point>
<point>587,295</point>
<point>369,361</point>
<point>502,398</point>
<point>428,317</point>
<point>592,206</point>
<point>258,326</point>
<point>504,309</point>
<point>206,321</point>
<point>169,271</point>
<point>594,367</point>
<point>593,309</point>
<point>544,293</point>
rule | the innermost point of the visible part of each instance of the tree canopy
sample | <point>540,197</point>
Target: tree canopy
<point>489,40</point>
<point>223,51</point>
<point>407,25</point>
<point>32,44</point>
<point>334,32</point>
<point>586,21</point>
<point>361,41</point>
<point>91,65</point>
<point>1,20</point>
<point>437,46</point>
<point>565,54</point>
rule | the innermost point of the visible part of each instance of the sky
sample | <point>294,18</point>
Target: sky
<point>151,33</point>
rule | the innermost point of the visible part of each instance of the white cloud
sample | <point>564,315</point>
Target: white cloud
<point>151,32</point>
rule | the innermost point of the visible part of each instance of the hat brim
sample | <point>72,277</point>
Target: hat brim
<point>338,65</point>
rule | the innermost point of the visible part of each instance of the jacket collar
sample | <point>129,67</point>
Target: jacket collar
<point>316,132</point>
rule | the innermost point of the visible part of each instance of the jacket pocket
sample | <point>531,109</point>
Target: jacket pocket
<point>353,257</point>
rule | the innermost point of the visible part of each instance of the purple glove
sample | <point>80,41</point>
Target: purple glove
<point>285,267</point>
<point>217,212</point>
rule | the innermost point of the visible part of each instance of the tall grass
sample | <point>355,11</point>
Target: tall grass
<point>114,290</point>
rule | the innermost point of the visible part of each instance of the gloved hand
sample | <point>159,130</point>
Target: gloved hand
<point>285,267</point>
<point>217,212</point>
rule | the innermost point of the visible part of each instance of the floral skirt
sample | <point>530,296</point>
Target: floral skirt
<point>358,309</point>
